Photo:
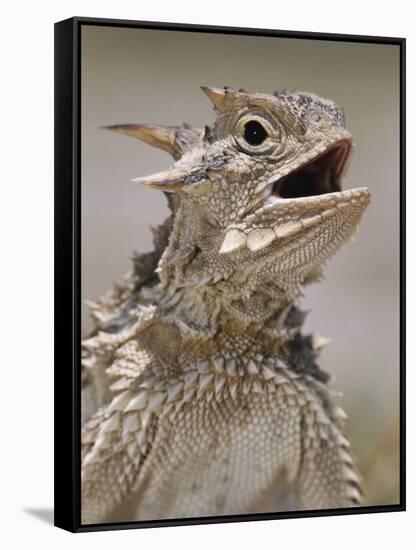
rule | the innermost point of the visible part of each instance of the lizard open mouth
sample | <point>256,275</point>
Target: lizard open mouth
<point>320,176</point>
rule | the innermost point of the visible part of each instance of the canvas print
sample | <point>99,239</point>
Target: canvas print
<point>240,274</point>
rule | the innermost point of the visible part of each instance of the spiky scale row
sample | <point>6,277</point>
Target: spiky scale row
<point>132,411</point>
<point>139,403</point>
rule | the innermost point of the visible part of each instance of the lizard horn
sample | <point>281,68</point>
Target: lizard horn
<point>162,137</point>
<point>170,180</point>
<point>216,95</point>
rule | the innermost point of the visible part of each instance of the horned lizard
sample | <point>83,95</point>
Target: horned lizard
<point>201,395</point>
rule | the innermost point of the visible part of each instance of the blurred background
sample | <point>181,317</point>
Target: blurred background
<point>146,76</point>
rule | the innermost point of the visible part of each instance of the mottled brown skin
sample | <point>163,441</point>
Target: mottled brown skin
<point>201,396</point>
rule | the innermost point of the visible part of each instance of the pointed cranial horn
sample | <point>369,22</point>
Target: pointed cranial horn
<point>216,95</point>
<point>162,137</point>
<point>222,96</point>
<point>171,180</point>
<point>175,140</point>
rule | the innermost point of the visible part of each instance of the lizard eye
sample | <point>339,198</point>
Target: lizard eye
<point>254,132</point>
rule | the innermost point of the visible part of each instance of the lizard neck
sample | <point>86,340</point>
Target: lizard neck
<point>208,327</point>
<point>212,310</point>
<point>208,292</point>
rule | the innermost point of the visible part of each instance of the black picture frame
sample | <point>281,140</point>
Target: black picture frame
<point>68,270</point>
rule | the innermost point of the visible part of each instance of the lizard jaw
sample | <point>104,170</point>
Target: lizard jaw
<point>300,201</point>
<point>311,191</point>
<point>283,219</point>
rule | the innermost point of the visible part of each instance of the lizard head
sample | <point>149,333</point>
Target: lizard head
<point>257,199</point>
